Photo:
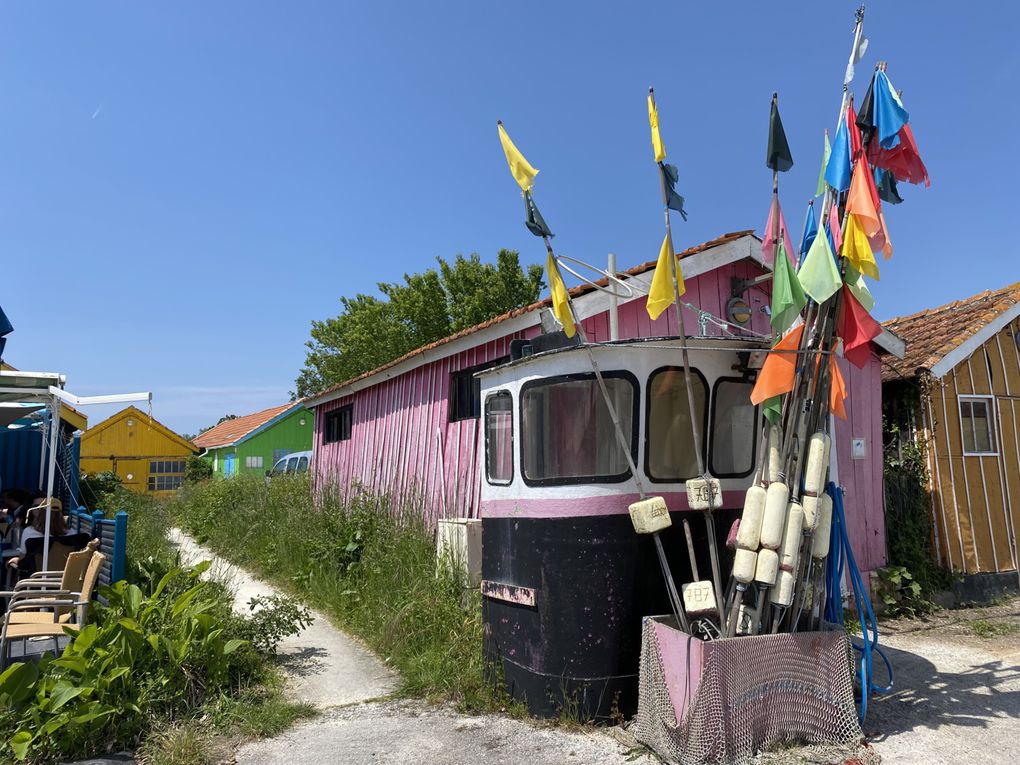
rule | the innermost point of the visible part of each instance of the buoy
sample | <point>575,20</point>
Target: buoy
<point>774,518</point>
<point>731,537</point>
<point>781,593</point>
<point>768,567</point>
<point>816,465</point>
<point>820,544</point>
<point>749,533</point>
<point>790,551</point>
<point>650,515</point>
<point>744,564</point>
<point>810,506</point>
<point>775,453</point>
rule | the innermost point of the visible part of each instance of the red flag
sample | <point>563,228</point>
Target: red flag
<point>777,374</point>
<point>853,131</point>
<point>857,329</point>
<point>903,160</point>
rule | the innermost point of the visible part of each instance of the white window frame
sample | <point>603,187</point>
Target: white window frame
<point>992,419</point>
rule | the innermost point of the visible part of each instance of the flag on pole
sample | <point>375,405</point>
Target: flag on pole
<point>885,182</point>
<point>560,298</point>
<point>810,231</point>
<point>533,218</point>
<point>837,389</point>
<point>818,274</point>
<point>834,229</point>
<point>837,169</point>
<point>787,295</point>
<point>777,157</point>
<point>661,294</point>
<point>5,329</point>
<point>903,161</point>
<point>888,113</point>
<point>857,248</point>
<point>826,153</point>
<point>520,168</point>
<point>854,281</point>
<point>673,200</point>
<point>773,409</point>
<point>779,370</point>
<point>853,132</point>
<point>653,120</point>
<point>860,202</point>
<point>767,245</point>
<point>857,329</point>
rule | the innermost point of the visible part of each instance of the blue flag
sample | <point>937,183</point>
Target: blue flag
<point>810,231</point>
<point>837,170</point>
<point>887,112</point>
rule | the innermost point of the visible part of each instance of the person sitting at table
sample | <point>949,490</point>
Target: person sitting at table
<point>36,527</point>
<point>15,504</point>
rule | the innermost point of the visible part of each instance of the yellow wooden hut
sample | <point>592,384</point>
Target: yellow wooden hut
<point>147,455</point>
<point>962,374</point>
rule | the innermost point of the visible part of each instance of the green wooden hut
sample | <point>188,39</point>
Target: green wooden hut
<point>253,443</point>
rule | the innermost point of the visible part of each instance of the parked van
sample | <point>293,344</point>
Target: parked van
<point>295,462</point>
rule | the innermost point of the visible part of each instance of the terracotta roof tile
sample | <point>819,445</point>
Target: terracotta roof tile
<point>935,332</point>
<point>574,292</point>
<point>230,431</point>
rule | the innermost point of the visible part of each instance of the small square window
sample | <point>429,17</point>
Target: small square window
<point>338,424</point>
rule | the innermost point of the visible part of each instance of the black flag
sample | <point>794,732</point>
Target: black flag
<point>866,116</point>
<point>778,157</point>
<point>673,200</point>
<point>533,218</point>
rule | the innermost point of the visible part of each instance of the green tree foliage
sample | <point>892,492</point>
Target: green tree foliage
<point>371,331</point>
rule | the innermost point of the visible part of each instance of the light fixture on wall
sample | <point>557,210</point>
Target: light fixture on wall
<point>130,421</point>
<point>301,421</point>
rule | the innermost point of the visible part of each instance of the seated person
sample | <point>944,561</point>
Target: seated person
<point>37,526</point>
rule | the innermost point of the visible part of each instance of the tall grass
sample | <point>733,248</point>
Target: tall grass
<point>367,562</point>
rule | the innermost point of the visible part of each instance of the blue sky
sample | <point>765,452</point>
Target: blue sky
<point>185,186</point>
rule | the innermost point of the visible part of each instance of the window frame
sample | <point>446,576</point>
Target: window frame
<point>710,451</point>
<point>338,415</point>
<point>614,374</point>
<point>453,398</point>
<point>993,423</point>
<point>501,393</point>
<point>648,413</point>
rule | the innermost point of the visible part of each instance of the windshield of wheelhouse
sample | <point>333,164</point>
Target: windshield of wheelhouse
<point>670,453</point>
<point>567,431</point>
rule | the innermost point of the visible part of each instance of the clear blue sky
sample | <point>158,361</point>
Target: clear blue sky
<point>185,186</point>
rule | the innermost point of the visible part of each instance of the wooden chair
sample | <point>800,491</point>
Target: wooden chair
<point>51,600</point>
<point>60,548</point>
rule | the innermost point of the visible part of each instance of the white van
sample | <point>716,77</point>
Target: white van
<point>295,462</point>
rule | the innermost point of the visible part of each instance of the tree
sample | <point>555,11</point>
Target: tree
<point>426,307</point>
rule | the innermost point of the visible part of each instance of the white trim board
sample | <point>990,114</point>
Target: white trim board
<point>975,341</point>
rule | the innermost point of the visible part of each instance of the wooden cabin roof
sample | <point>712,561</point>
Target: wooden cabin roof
<point>938,338</point>
<point>231,431</point>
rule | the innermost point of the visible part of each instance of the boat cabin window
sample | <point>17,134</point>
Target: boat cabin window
<point>499,438</point>
<point>669,452</point>
<point>734,425</point>
<point>567,433</point>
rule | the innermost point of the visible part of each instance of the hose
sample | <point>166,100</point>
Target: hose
<point>842,556</point>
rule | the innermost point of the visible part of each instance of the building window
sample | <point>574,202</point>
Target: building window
<point>165,482</point>
<point>977,422</point>
<point>734,424</point>
<point>253,462</point>
<point>166,466</point>
<point>466,391</point>
<point>669,452</point>
<point>567,433</point>
<point>499,438</point>
<point>338,424</point>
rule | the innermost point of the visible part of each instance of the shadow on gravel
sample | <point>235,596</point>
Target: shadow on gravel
<point>302,662</point>
<point>925,698</point>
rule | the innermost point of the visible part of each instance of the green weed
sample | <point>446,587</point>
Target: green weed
<point>986,629</point>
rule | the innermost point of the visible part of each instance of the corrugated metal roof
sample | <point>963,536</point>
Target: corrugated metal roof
<point>231,431</point>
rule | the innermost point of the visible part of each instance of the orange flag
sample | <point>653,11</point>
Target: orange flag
<point>837,389</point>
<point>860,202</point>
<point>777,374</point>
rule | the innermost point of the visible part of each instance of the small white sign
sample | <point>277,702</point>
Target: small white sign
<point>859,448</point>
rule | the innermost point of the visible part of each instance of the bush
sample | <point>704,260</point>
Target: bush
<point>97,489</point>
<point>197,469</point>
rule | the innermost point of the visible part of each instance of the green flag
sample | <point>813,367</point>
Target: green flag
<point>818,274</point>
<point>859,288</point>
<point>787,294</point>
<point>772,408</point>
<point>826,151</point>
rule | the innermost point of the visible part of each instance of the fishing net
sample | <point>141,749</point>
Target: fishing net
<point>723,701</point>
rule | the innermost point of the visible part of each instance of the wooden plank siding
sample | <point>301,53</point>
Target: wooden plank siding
<point>976,498</point>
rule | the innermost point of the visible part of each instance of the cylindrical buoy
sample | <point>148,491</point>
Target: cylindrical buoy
<point>789,553</point>
<point>744,563</point>
<point>781,593</point>
<point>749,534</point>
<point>768,567</point>
<point>810,506</point>
<point>820,544</point>
<point>816,465</point>
<point>775,453</point>
<point>774,518</point>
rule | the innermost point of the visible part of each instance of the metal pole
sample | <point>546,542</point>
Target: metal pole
<point>614,304</point>
<point>54,436</point>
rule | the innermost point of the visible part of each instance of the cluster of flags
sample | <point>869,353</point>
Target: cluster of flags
<point>662,292</point>
<point>871,152</point>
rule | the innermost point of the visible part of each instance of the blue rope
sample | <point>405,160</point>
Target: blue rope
<point>841,556</point>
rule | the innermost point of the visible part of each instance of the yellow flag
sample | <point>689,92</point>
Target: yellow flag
<point>857,248</point>
<point>560,300</point>
<point>653,120</point>
<point>661,295</point>
<point>522,170</point>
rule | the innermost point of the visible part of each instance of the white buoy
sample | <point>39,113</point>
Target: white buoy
<point>768,567</point>
<point>650,515</point>
<point>744,564</point>
<point>820,543</point>
<point>790,551</point>
<point>816,465</point>
<point>781,593</point>
<point>810,506</point>
<point>774,518</point>
<point>749,532</point>
<point>775,453</point>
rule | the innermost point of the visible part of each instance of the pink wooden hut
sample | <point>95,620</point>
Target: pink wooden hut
<point>411,428</point>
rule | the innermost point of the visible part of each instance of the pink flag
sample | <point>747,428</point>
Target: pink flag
<point>767,248</point>
<point>837,235</point>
